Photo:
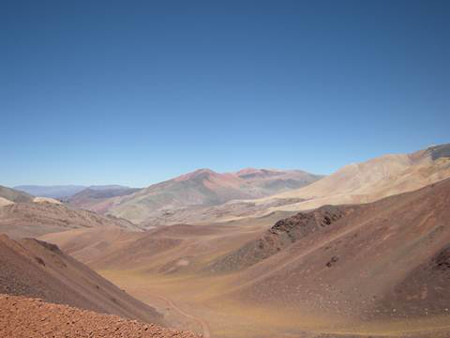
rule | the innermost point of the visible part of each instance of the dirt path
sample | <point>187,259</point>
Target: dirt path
<point>202,322</point>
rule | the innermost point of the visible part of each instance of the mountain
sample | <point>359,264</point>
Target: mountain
<point>53,191</point>
<point>13,195</point>
<point>204,187</point>
<point>355,183</point>
<point>98,198</point>
<point>65,192</point>
<point>38,269</point>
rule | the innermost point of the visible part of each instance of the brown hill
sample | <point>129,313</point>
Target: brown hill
<point>40,270</point>
<point>40,217</point>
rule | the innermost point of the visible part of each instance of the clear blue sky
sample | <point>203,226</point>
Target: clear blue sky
<point>134,92</point>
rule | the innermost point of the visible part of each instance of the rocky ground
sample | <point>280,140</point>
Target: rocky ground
<point>28,317</point>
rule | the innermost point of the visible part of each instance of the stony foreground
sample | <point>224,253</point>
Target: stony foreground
<point>28,317</point>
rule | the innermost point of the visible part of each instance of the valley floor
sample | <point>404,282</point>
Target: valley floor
<point>199,308</point>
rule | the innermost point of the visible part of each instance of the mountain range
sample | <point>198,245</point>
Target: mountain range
<point>355,183</point>
<point>205,187</point>
<point>65,191</point>
<point>205,196</point>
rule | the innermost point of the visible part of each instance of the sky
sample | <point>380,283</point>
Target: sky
<point>136,92</point>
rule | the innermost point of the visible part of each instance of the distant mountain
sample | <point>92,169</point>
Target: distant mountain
<point>45,215</point>
<point>353,184</point>
<point>12,195</point>
<point>205,187</point>
<point>53,191</point>
<point>98,198</point>
<point>110,187</point>
<point>65,192</point>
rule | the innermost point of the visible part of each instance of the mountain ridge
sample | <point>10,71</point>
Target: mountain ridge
<point>204,187</point>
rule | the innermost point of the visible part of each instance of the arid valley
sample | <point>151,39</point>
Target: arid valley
<point>361,252</point>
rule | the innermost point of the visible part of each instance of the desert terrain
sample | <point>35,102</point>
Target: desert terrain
<point>30,317</point>
<point>363,252</point>
<point>365,269</point>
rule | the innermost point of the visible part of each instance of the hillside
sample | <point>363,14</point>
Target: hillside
<point>37,269</point>
<point>41,216</point>
<point>280,236</point>
<point>385,260</point>
<point>377,178</point>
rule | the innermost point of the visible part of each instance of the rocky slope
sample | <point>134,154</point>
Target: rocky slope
<point>23,317</point>
<point>280,236</point>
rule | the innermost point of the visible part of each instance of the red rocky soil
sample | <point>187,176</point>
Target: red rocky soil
<point>27,317</point>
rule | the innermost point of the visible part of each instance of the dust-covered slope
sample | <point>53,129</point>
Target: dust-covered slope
<point>37,269</point>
